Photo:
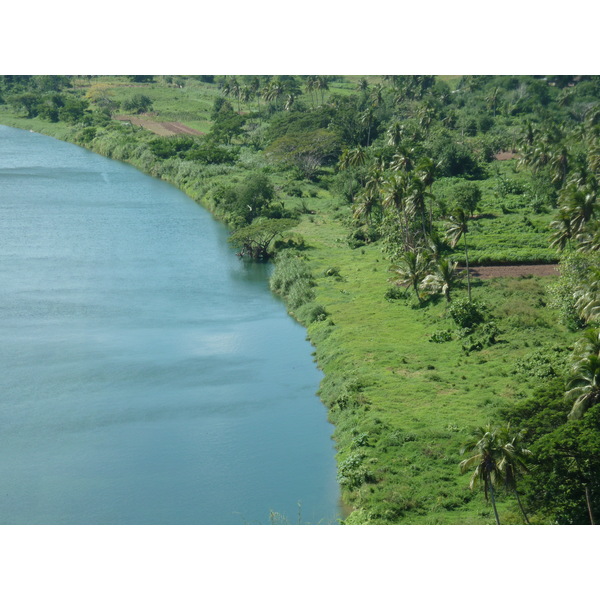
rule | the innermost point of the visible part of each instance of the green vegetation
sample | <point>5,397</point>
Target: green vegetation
<point>373,194</point>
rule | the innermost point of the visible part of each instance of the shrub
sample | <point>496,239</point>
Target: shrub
<point>465,313</point>
<point>396,293</point>
<point>440,336</point>
<point>352,473</point>
<point>312,313</point>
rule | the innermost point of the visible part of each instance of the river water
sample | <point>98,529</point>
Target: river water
<point>147,376</point>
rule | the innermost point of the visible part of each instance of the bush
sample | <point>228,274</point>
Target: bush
<point>440,336</point>
<point>352,473</point>
<point>467,314</point>
<point>311,313</point>
<point>138,103</point>
<point>396,293</point>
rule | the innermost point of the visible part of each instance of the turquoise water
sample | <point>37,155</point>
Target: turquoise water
<point>147,375</point>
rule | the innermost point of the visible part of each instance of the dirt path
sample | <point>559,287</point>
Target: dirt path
<point>514,271</point>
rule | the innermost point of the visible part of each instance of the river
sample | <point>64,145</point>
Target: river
<point>148,376</point>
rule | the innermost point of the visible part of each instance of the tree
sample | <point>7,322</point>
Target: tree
<point>458,227</point>
<point>226,126</point>
<point>27,101</point>
<point>73,110</point>
<point>583,382</point>
<point>486,447</point>
<point>513,461</point>
<point>466,195</point>
<point>102,96</point>
<point>322,85</point>
<point>307,151</point>
<point>249,199</point>
<point>412,269</point>
<point>444,277</point>
<point>138,103</point>
<point>254,240</point>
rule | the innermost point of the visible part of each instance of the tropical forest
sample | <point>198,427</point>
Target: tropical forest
<point>438,238</point>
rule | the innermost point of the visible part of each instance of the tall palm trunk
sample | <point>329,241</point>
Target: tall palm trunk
<point>588,501</point>
<point>467,261</point>
<point>493,500</point>
<point>521,506</point>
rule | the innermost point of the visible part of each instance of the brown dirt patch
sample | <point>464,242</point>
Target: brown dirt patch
<point>164,129</point>
<point>505,155</point>
<point>514,271</point>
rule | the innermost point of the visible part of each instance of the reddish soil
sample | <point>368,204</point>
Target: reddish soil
<point>514,271</point>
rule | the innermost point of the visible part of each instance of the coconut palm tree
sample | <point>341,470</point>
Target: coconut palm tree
<point>583,382</point>
<point>363,85</point>
<point>493,99</point>
<point>417,196</point>
<point>366,204</point>
<point>559,165</point>
<point>309,87</point>
<point>403,159</point>
<point>562,230</point>
<point>289,102</point>
<point>377,99</point>
<point>412,269</point>
<point>352,158</point>
<point>366,118</point>
<point>322,85</point>
<point>458,227</point>
<point>486,448</point>
<point>513,461</point>
<point>580,204</point>
<point>445,276</point>
<point>394,133</point>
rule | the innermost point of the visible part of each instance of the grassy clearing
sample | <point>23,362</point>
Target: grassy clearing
<point>409,402</point>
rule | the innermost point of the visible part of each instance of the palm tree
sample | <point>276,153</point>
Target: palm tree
<point>367,202</point>
<point>291,98</point>
<point>309,87</point>
<point>583,383</point>
<point>425,171</point>
<point>273,91</point>
<point>513,461</point>
<point>322,85</point>
<point>366,118</point>
<point>559,164</point>
<point>417,197</point>
<point>403,160</point>
<point>458,227</point>
<point>377,96</point>
<point>581,204</point>
<point>352,158</point>
<point>394,133</point>
<point>363,85</point>
<point>412,269</point>
<point>444,278</point>
<point>485,446</point>
<point>563,232</point>
<point>492,99</point>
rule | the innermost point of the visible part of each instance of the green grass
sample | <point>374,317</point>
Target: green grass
<point>505,230</point>
<point>415,401</point>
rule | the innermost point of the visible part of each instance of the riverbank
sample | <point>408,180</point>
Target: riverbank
<point>401,404</point>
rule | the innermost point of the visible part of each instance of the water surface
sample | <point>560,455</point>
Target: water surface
<point>147,375</point>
